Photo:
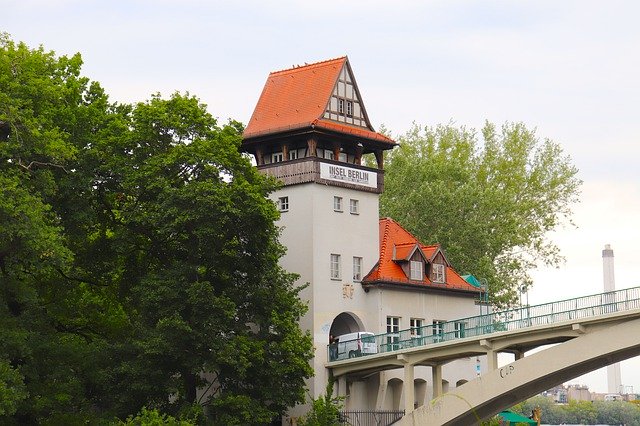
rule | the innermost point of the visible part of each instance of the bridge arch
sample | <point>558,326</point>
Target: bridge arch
<point>346,322</point>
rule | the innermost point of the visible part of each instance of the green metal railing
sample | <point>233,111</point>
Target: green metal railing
<point>507,320</point>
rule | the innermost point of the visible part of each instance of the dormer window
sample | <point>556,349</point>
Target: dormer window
<point>416,270</point>
<point>437,273</point>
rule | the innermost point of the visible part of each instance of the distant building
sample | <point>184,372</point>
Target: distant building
<point>578,393</point>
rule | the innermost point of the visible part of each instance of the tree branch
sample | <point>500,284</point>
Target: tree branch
<point>39,163</point>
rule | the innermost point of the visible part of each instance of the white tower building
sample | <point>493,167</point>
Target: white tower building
<point>310,130</point>
<point>614,380</point>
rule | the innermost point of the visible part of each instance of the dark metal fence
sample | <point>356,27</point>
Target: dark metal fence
<point>370,418</point>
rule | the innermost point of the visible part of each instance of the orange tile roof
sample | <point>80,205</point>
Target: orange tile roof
<point>296,98</point>
<point>389,271</point>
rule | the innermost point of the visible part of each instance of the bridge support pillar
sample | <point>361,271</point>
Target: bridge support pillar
<point>436,376</point>
<point>409,388</point>
<point>492,360</point>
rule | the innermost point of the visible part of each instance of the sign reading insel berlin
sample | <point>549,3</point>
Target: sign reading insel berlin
<point>348,175</point>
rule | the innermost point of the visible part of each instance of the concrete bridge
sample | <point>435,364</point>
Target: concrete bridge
<point>587,333</point>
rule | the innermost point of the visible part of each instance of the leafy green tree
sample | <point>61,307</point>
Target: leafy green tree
<point>325,409</point>
<point>153,418</point>
<point>490,200</point>
<point>51,322</point>
<point>194,230</point>
<point>138,258</point>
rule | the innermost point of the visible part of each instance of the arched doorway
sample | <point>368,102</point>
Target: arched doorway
<point>346,322</point>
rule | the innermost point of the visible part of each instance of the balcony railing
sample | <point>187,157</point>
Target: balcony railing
<point>506,320</point>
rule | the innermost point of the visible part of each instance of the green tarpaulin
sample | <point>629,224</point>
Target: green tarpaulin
<point>512,418</point>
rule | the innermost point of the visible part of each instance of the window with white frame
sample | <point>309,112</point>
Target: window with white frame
<point>357,268</point>
<point>349,109</point>
<point>337,204</point>
<point>328,154</point>
<point>283,204</point>
<point>276,157</point>
<point>393,333</point>
<point>437,328</point>
<point>335,266</point>
<point>459,329</point>
<point>437,273</point>
<point>341,106</point>
<point>342,157</point>
<point>416,270</point>
<point>416,327</point>
<point>293,154</point>
<point>354,206</point>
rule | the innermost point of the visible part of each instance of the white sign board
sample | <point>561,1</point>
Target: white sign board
<point>348,175</point>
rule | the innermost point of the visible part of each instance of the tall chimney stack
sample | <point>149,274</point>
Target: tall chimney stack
<point>607,269</point>
<point>614,379</point>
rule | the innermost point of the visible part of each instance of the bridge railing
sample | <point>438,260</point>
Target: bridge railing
<point>506,320</point>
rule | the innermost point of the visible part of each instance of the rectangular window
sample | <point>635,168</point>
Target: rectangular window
<point>293,154</point>
<point>393,333</point>
<point>349,109</point>
<point>354,206</point>
<point>328,154</point>
<point>335,266</point>
<point>416,270</point>
<point>416,327</point>
<point>342,157</point>
<point>276,157</point>
<point>337,204</point>
<point>437,330</point>
<point>283,204</point>
<point>341,106</point>
<point>437,273</point>
<point>459,329</point>
<point>357,268</point>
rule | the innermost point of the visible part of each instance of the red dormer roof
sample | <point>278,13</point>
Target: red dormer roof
<point>396,247</point>
<point>296,99</point>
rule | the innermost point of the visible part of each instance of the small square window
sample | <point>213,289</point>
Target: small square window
<point>328,154</point>
<point>337,204</point>
<point>342,157</point>
<point>293,154</point>
<point>357,268</point>
<point>416,270</point>
<point>276,157</point>
<point>283,204</point>
<point>437,273</point>
<point>335,267</point>
<point>416,327</point>
<point>354,206</point>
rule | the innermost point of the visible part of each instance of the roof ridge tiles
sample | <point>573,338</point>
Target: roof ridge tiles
<point>313,64</point>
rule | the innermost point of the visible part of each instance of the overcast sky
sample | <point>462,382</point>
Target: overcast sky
<point>569,69</point>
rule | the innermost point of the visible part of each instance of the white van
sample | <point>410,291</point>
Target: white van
<point>356,344</point>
